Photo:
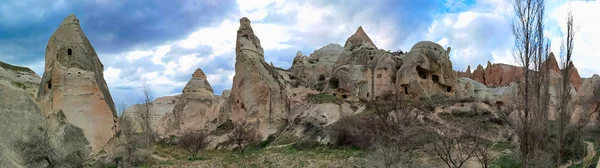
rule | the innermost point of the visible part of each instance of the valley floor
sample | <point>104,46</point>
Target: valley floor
<point>271,157</point>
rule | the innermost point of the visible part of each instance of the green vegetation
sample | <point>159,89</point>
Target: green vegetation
<point>506,160</point>
<point>289,156</point>
<point>323,98</point>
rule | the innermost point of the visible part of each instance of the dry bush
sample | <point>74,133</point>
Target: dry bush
<point>244,135</point>
<point>354,131</point>
<point>37,151</point>
<point>133,145</point>
<point>193,142</point>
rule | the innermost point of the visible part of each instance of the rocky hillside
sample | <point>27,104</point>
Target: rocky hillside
<point>333,96</point>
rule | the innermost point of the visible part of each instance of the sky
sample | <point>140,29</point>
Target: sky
<point>161,43</point>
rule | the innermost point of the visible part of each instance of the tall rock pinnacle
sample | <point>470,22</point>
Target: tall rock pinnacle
<point>73,82</point>
<point>258,94</point>
<point>246,40</point>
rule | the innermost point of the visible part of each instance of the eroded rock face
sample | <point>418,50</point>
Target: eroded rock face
<point>73,82</point>
<point>315,69</point>
<point>20,77</point>
<point>426,70</point>
<point>258,94</point>
<point>18,115</point>
<point>496,75</point>
<point>20,119</point>
<point>362,71</point>
<point>574,77</point>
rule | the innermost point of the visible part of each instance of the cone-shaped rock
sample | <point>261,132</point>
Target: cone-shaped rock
<point>359,38</point>
<point>258,94</point>
<point>551,64</point>
<point>479,73</point>
<point>73,82</point>
<point>574,77</point>
<point>198,84</point>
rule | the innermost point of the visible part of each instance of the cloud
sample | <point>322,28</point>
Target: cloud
<point>476,35</point>
<point>587,37</point>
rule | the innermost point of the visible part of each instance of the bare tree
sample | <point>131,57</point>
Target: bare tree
<point>564,107</point>
<point>398,132</point>
<point>193,142</point>
<point>144,113</point>
<point>243,135</point>
<point>531,50</point>
<point>454,147</point>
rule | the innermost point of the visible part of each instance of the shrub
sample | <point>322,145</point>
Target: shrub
<point>265,143</point>
<point>193,142</point>
<point>244,135</point>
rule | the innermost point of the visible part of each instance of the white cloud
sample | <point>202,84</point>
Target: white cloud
<point>221,77</point>
<point>477,35</point>
<point>112,74</point>
<point>220,38</point>
<point>160,53</point>
<point>135,55</point>
<point>587,37</point>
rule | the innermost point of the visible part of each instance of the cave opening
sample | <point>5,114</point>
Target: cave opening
<point>69,51</point>
<point>50,84</point>
<point>435,78</point>
<point>422,73</point>
<point>448,89</point>
<point>334,83</point>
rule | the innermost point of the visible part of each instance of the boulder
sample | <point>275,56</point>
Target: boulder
<point>73,82</point>
<point>478,91</point>
<point>20,77</point>
<point>426,70</point>
<point>259,93</point>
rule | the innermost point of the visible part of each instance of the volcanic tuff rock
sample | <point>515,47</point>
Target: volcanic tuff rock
<point>314,70</point>
<point>197,109</point>
<point>362,71</point>
<point>258,94</point>
<point>426,70</point>
<point>20,118</point>
<point>18,115</point>
<point>73,82</point>
<point>20,77</point>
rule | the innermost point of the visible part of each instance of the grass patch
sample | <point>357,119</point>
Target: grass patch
<point>289,156</point>
<point>503,145</point>
<point>323,98</point>
<point>506,160</point>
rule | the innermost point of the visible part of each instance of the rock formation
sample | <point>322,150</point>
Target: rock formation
<point>197,109</point>
<point>21,120</point>
<point>314,70</point>
<point>574,77</point>
<point>19,115</point>
<point>479,74</point>
<point>258,94</point>
<point>551,63</point>
<point>362,71</point>
<point>426,70</point>
<point>20,77</point>
<point>73,82</point>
